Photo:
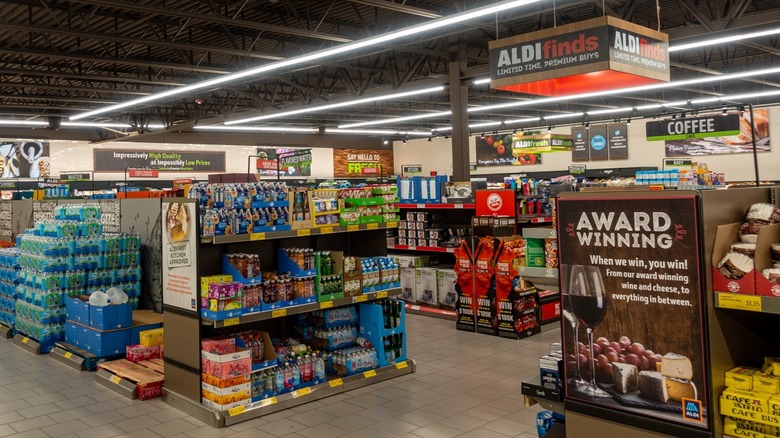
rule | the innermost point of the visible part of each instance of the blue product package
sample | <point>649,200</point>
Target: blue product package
<point>544,422</point>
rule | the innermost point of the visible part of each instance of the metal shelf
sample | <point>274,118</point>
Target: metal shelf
<point>750,303</point>
<point>533,219</point>
<point>306,395</point>
<point>431,311</point>
<point>540,233</point>
<point>294,310</point>
<point>438,206</point>
<point>530,273</point>
<point>421,248</point>
<point>273,235</point>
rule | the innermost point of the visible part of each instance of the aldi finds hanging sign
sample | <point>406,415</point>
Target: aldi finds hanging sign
<point>693,127</point>
<point>593,55</point>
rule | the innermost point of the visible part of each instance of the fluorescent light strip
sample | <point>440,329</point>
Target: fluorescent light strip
<point>96,125</point>
<point>23,123</point>
<point>256,129</point>
<point>376,132</point>
<point>750,95</point>
<point>728,39</point>
<point>484,124</point>
<point>608,111</point>
<point>562,116</point>
<point>322,54</point>
<point>396,120</point>
<point>337,105</point>
<point>481,81</point>
<point>530,119</point>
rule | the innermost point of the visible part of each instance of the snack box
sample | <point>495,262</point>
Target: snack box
<point>227,370</point>
<point>223,408</point>
<point>151,338</point>
<point>228,391</point>
<point>766,384</point>
<point>225,383</point>
<point>218,345</point>
<point>739,427</point>
<point>748,400</point>
<point>741,378</point>
<point>138,352</point>
<point>111,317</point>
<point>212,279</point>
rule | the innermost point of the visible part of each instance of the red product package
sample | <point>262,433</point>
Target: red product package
<point>485,293</point>
<point>464,287</point>
<point>137,353</point>
<point>508,262</point>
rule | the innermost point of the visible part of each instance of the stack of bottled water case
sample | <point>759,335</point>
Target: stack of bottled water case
<point>9,278</point>
<point>70,256</point>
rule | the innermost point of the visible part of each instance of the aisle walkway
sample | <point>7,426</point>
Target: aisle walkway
<point>466,385</point>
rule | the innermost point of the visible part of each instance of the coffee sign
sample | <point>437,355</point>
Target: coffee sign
<point>693,127</point>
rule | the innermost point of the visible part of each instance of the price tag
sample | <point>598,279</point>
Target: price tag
<point>740,302</point>
<point>68,355</point>
<point>402,365</point>
<point>353,227</point>
<point>268,401</point>
<point>238,410</point>
<point>413,248</point>
<point>257,236</point>
<point>380,295</point>
<point>25,340</point>
<point>335,382</point>
<point>279,313</point>
<point>306,232</point>
<point>420,205</point>
<point>369,374</point>
<point>361,298</point>
<point>301,392</point>
<point>372,226</point>
<point>115,379</point>
<point>392,224</point>
<point>326,230</point>
<point>231,321</point>
<point>326,304</point>
<point>457,206</point>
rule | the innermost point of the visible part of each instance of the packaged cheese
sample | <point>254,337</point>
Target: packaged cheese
<point>741,378</point>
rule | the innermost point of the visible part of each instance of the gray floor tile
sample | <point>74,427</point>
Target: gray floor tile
<point>282,427</point>
<point>436,430</point>
<point>31,423</point>
<point>136,423</point>
<point>463,422</point>
<point>323,430</point>
<point>312,418</point>
<point>70,414</point>
<point>104,431</point>
<point>6,430</point>
<point>109,417</point>
<point>65,428</point>
<point>394,427</point>
<point>352,422</point>
<point>506,427</point>
<point>172,427</point>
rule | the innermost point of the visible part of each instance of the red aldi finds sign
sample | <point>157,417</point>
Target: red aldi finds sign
<point>496,203</point>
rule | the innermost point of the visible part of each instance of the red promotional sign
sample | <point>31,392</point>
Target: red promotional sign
<point>496,203</point>
<point>370,170</point>
<point>143,173</point>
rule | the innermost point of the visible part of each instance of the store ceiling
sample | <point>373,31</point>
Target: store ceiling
<point>59,58</point>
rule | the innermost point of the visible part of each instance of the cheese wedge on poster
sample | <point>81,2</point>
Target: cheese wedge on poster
<point>652,386</point>
<point>676,366</point>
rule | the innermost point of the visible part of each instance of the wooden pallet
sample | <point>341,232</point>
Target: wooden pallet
<point>142,380</point>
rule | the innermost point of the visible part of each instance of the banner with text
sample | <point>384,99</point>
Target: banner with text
<point>579,148</point>
<point>360,163</point>
<point>713,134</point>
<point>179,244</point>
<point>618,141</point>
<point>597,140</point>
<point>631,281</point>
<point>118,160</point>
<point>291,162</point>
<point>24,159</point>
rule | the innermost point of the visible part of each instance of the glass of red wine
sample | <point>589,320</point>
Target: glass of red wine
<point>588,301</point>
<point>577,380</point>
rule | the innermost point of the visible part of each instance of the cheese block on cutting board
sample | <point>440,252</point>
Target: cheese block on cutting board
<point>676,366</point>
<point>652,385</point>
<point>680,389</point>
<point>625,377</point>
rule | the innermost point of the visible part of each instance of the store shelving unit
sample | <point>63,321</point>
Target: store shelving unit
<point>185,328</point>
<point>422,248</point>
<point>448,206</point>
<point>750,303</point>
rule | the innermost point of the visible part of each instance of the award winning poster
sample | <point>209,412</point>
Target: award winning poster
<point>179,241</point>
<point>631,294</point>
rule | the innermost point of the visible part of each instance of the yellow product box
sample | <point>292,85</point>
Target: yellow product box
<point>741,410</point>
<point>773,407</point>
<point>772,365</point>
<point>212,279</point>
<point>741,377</point>
<point>224,383</point>
<point>750,400</point>
<point>226,399</point>
<point>736,432</point>
<point>766,383</point>
<point>730,423</point>
<point>151,338</point>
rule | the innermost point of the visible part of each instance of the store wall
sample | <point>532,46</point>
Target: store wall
<point>77,156</point>
<point>436,155</point>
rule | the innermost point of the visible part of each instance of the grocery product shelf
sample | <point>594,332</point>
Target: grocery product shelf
<point>438,206</point>
<point>294,310</point>
<point>432,311</point>
<point>750,303</point>
<point>533,389</point>
<point>274,235</point>
<point>421,248</point>
<point>530,273</point>
<point>533,219</point>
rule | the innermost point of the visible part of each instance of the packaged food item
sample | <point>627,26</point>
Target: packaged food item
<point>741,377</point>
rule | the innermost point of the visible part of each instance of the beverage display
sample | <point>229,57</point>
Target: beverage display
<point>588,301</point>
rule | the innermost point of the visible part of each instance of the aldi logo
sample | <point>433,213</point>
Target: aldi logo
<point>692,410</point>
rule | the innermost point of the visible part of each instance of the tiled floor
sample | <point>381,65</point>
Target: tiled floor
<point>466,385</point>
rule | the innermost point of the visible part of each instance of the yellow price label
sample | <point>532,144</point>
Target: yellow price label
<point>257,236</point>
<point>115,379</point>
<point>306,232</point>
<point>335,382</point>
<point>238,410</point>
<point>268,401</point>
<point>326,304</point>
<point>68,355</point>
<point>740,302</point>
<point>353,227</point>
<point>326,230</point>
<point>369,374</point>
<point>380,295</point>
<point>231,321</point>
<point>361,298</point>
<point>392,224</point>
<point>279,313</point>
<point>301,392</point>
<point>25,340</point>
<point>372,226</point>
<point>401,365</point>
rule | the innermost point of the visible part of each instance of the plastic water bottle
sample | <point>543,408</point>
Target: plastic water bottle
<point>319,369</point>
<point>116,296</point>
<point>98,298</point>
